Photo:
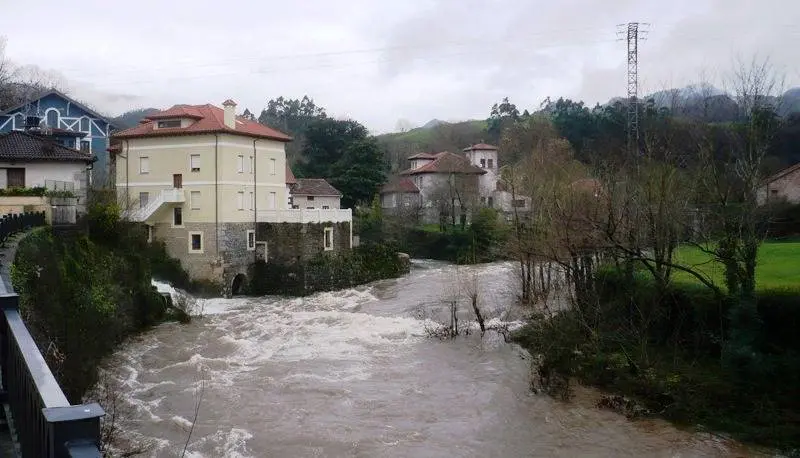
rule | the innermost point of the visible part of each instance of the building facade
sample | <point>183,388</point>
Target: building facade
<point>784,185</point>
<point>69,123</point>
<point>202,179</point>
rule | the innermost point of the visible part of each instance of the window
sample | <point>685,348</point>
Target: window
<point>310,198</point>
<point>86,147</point>
<point>177,216</point>
<point>774,192</point>
<point>490,163</point>
<point>272,201</point>
<point>483,163</point>
<point>85,125</point>
<point>252,200</point>
<point>194,199</point>
<point>252,165</point>
<point>328,239</point>
<point>325,207</point>
<point>309,208</point>
<point>144,164</point>
<point>272,166</point>
<point>149,234</point>
<point>490,202</point>
<point>483,201</point>
<point>251,240</point>
<point>144,198</point>
<point>52,117</point>
<point>240,163</point>
<point>240,200</point>
<point>169,123</point>
<point>15,178</point>
<point>194,162</point>
<point>519,203</point>
<point>195,242</point>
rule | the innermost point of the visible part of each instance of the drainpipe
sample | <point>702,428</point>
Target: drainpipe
<point>127,176</point>
<point>255,200</point>
<point>216,193</point>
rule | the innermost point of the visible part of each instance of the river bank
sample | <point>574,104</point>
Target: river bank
<point>354,373</point>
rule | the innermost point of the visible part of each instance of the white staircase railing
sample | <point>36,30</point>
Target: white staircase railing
<point>166,196</point>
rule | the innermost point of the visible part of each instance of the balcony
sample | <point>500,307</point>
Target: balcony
<point>166,196</point>
<point>302,216</point>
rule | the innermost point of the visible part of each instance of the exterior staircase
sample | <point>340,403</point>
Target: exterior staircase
<point>165,197</point>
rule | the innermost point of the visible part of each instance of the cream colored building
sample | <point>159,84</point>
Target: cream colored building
<point>201,179</point>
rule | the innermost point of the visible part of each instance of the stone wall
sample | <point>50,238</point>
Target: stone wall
<point>292,242</point>
<point>236,257</point>
<point>199,266</point>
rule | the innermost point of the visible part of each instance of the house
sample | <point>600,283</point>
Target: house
<point>33,160</point>
<point>215,188</point>
<point>784,185</point>
<point>68,122</point>
<point>311,193</point>
<point>448,183</point>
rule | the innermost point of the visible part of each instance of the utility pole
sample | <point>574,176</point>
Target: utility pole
<point>632,33</point>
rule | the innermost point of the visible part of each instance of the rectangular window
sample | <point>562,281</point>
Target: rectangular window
<point>490,202</point>
<point>240,200</point>
<point>483,163</point>
<point>252,165</point>
<point>310,198</point>
<point>195,242</point>
<point>86,147</point>
<point>309,208</point>
<point>325,207</point>
<point>144,198</point>
<point>273,199</point>
<point>328,239</point>
<point>251,240</point>
<point>149,234</point>
<point>194,198</point>
<point>519,203</point>
<point>272,165</point>
<point>774,192</point>
<point>15,178</point>
<point>170,123</point>
<point>490,163</point>
<point>194,162</point>
<point>144,164</point>
<point>240,163</point>
<point>252,200</point>
<point>177,216</point>
<point>483,201</point>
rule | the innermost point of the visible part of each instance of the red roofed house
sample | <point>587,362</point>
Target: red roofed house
<point>448,182</point>
<point>214,186</point>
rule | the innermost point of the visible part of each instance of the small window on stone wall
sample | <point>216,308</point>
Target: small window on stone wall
<point>328,239</point>
<point>195,242</point>
<point>251,240</point>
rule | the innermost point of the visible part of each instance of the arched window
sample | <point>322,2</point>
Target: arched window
<point>52,117</point>
<point>85,124</point>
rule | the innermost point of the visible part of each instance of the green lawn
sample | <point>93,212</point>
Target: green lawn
<point>778,266</point>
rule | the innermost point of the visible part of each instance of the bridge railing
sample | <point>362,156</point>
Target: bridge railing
<point>43,422</point>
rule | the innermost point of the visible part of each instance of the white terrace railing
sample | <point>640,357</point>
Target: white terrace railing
<point>165,196</point>
<point>305,216</point>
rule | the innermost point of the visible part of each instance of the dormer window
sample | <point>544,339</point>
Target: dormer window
<point>169,123</point>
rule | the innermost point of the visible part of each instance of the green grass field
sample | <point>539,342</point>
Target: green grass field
<point>778,266</point>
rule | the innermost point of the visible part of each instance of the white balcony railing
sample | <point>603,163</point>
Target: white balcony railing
<point>166,196</point>
<point>305,216</point>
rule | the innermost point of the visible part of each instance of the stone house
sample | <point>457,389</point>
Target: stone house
<point>215,187</point>
<point>311,193</point>
<point>784,185</point>
<point>448,182</point>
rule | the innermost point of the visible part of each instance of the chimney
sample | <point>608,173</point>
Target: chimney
<point>230,113</point>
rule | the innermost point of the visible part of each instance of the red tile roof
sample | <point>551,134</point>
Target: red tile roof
<point>480,147</point>
<point>422,156</point>
<point>446,162</point>
<point>290,179</point>
<point>209,120</point>
<point>400,184</point>
<point>314,187</point>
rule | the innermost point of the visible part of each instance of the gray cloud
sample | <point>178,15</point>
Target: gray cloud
<point>379,62</point>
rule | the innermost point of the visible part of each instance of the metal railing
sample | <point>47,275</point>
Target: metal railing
<point>43,422</point>
<point>12,223</point>
<point>55,185</point>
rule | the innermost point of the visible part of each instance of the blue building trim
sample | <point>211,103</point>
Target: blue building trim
<point>59,112</point>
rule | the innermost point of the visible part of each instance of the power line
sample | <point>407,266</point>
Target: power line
<point>632,33</point>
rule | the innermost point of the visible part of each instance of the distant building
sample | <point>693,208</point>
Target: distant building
<point>446,184</point>
<point>216,188</point>
<point>784,185</point>
<point>314,193</point>
<point>68,122</point>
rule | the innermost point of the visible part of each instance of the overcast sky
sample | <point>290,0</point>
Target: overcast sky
<point>380,61</point>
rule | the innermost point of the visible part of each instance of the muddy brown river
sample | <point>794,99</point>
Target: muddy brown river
<point>353,374</point>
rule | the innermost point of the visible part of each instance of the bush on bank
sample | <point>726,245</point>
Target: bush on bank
<point>672,362</point>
